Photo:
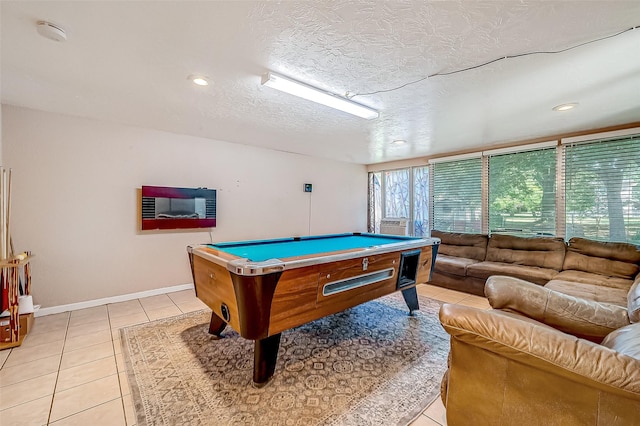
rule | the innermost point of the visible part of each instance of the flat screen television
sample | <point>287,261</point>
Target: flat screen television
<point>178,208</point>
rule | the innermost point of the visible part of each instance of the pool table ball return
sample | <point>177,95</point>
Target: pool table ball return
<point>261,288</point>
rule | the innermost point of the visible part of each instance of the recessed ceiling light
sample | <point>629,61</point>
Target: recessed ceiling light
<point>565,107</point>
<point>199,80</point>
<point>399,142</point>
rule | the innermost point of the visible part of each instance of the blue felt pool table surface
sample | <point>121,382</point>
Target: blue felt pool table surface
<point>261,250</point>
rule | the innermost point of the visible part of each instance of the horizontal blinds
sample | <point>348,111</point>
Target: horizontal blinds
<point>602,189</point>
<point>457,195</point>
<point>522,193</point>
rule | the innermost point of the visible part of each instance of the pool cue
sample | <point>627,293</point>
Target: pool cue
<point>8,216</point>
<point>15,273</point>
<point>3,195</point>
<point>4,282</point>
<point>5,271</point>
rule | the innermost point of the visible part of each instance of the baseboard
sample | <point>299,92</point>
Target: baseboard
<point>114,299</point>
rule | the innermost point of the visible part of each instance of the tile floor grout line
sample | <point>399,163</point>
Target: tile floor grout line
<point>115,356</point>
<point>431,418</point>
<point>6,358</point>
<point>124,413</point>
<point>91,381</point>
<point>88,362</point>
<point>82,411</point>
<point>55,385</point>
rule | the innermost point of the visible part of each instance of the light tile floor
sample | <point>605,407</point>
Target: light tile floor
<point>70,370</point>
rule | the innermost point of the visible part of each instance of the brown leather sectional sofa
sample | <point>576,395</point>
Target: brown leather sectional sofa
<point>541,357</point>
<point>561,345</point>
<point>600,271</point>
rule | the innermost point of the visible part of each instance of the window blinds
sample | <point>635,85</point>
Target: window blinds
<point>457,195</point>
<point>522,193</point>
<point>602,189</point>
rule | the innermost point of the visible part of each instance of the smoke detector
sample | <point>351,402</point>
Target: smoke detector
<point>51,31</point>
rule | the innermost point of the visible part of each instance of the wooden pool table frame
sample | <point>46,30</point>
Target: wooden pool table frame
<point>260,301</point>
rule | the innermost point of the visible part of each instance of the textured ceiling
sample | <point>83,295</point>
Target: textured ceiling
<point>128,62</point>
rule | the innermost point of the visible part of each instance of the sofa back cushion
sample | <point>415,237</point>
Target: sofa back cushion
<point>625,340</point>
<point>543,252</point>
<point>604,258</point>
<point>469,246</point>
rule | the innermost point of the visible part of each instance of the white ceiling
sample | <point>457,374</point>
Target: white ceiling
<point>128,62</point>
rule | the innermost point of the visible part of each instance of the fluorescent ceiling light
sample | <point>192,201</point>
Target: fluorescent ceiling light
<point>310,93</point>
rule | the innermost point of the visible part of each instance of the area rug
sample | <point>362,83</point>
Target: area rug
<point>370,365</point>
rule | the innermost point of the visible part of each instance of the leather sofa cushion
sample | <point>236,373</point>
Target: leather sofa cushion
<point>579,317</point>
<point>625,340</point>
<point>453,265</point>
<point>633,301</point>
<point>530,273</point>
<point>542,252</point>
<point>594,278</point>
<point>469,246</point>
<point>623,252</point>
<point>595,292</point>
<point>606,258</point>
<point>613,268</point>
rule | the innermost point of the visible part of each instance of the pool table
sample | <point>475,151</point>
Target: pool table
<point>261,288</point>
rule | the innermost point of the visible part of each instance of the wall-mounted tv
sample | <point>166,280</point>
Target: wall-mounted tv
<point>178,208</point>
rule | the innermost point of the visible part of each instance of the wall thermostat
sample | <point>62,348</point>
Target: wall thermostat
<point>308,187</point>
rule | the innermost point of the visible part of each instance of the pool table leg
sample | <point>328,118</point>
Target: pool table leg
<point>411,297</point>
<point>265,354</point>
<point>216,325</point>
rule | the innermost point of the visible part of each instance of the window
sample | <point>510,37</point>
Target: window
<point>588,186</point>
<point>402,193</point>
<point>522,193</point>
<point>602,189</point>
<point>457,195</point>
<point>375,201</point>
<point>421,201</point>
<point>396,193</point>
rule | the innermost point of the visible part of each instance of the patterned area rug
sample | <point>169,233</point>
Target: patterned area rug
<point>370,365</point>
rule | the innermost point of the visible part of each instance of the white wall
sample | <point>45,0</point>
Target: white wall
<point>75,200</point>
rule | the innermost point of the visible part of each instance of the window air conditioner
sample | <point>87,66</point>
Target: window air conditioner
<point>394,226</point>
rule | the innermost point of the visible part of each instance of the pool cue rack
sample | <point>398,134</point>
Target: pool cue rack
<point>11,270</point>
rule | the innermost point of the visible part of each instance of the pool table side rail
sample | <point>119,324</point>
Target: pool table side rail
<point>242,266</point>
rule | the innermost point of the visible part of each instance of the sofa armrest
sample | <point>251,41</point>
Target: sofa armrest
<point>544,348</point>
<point>581,317</point>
